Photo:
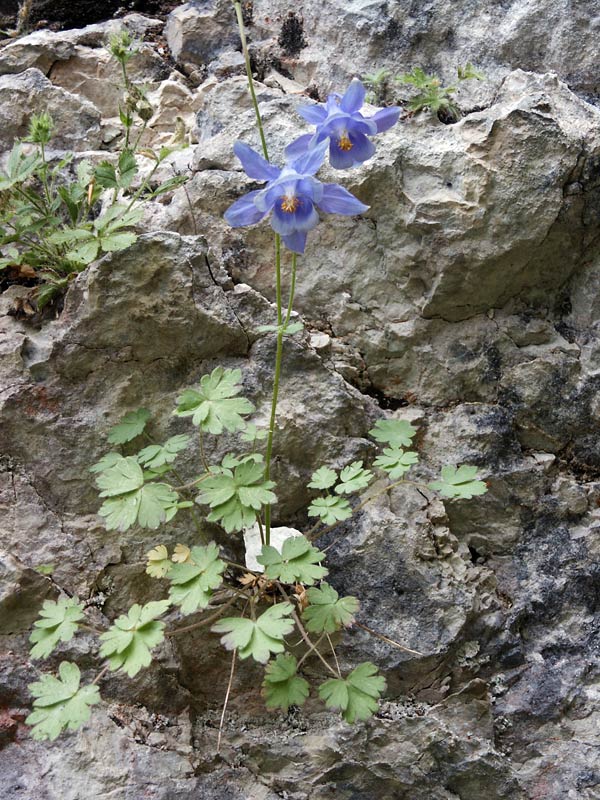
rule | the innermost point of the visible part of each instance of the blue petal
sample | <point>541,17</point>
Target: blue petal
<point>338,158</point>
<point>385,118</point>
<point>310,187</point>
<point>361,125</point>
<point>354,97</point>
<point>295,241</point>
<point>361,150</point>
<point>313,114</point>
<point>362,147</point>
<point>255,166</point>
<point>304,218</point>
<point>312,160</point>
<point>244,212</point>
<point>337,200</point>
<point>298,147</point>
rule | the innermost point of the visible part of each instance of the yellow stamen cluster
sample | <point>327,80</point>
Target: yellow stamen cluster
<point>289,204</point>
<point>344,142</point>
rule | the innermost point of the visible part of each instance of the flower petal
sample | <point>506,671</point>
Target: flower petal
<point>295,241</point>
<point>361,125</point>
<point>354,97</point>
<point>244,212</point>
<point>337,200</point>
<point>313,114</point>
<point>298,147</point>
<point>255,166</point>
<point>304,218</point>
<point>312,160</point>
<point>338,158</point>
<point>362,147</point>
<point>385,118</point>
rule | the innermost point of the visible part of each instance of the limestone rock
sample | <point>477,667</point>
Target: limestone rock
<point>198,31</point>
<point>77,121</point>
<point>44,49</point>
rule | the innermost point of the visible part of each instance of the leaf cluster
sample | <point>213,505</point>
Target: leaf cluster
<point>432,95</point>
<point>357,695</point>
<point>236,494</point>
<point>130,499</point>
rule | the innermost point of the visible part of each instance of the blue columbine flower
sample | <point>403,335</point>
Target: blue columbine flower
<point>340,121</point>
<point>292,194</point>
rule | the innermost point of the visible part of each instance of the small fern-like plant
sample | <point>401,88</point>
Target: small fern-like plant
<point>435,97</point>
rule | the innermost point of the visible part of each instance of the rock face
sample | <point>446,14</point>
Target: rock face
<point>465,299</point>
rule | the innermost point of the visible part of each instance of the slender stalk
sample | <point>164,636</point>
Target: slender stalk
<point>240,19</point>
<point>100,675</point>
<point>89,628</point>
<point>191,484</point>
<point>275,396</point>
<point>144,184</point>
<point>303,633</point>
<point>261,529</point>
<point>292,291</point>
<point>202,453</point>
<point>386,639</point>
<point>337,663</point>
<point>314,646</point>
<point>229,685</point>
<point>44,174</point>
<point>281,325</point>
<point>205,621</point>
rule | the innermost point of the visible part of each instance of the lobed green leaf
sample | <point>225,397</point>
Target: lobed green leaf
<point>459,482</point>
<point>57,623</point>
<point>60,703</point>
<point>257,638</point>
<point>357,695</point>
<point>129,640</point>
<point>298,562</point>
<point>282,687</point>
<point>328,612</point>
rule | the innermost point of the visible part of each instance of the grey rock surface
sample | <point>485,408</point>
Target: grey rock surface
<point>77,121</point>
<point>466,299</point>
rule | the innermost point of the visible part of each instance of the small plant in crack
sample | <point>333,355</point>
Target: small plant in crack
<point>433,96</point>
<point>58,216</point>
<point>278,609</point>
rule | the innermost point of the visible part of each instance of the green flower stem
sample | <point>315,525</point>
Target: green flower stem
<point>240,19</point>
<point>292,292</point>
<point>143,185</point>
<point>280,333</point>
<point>274,398</point>
<point>44,174</point>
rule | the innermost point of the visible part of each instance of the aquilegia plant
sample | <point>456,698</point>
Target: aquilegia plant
<point>254,609</point>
